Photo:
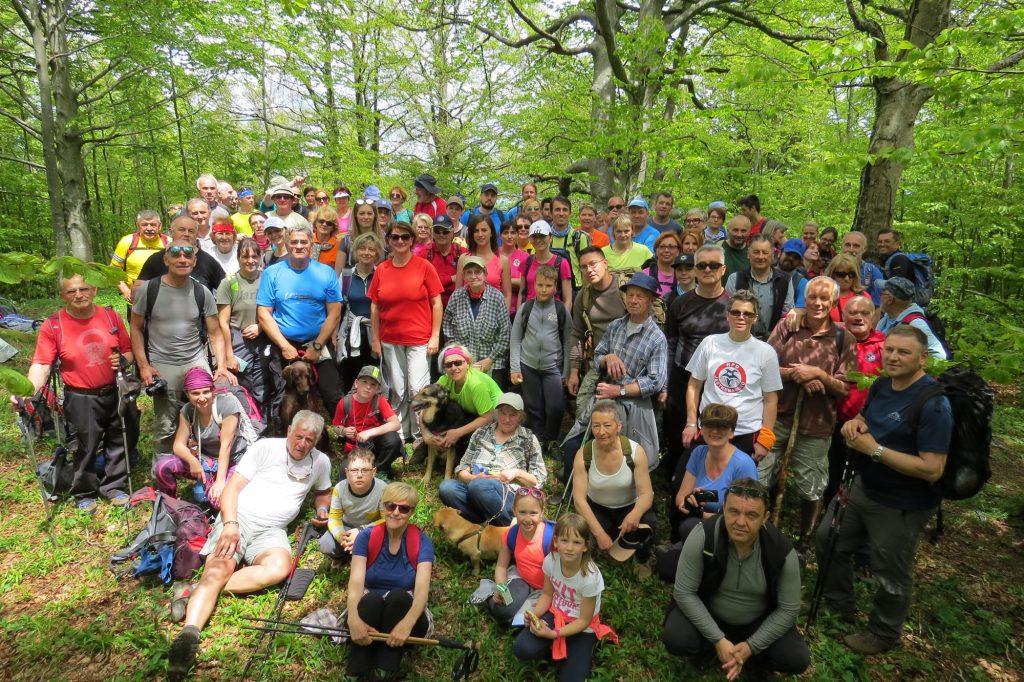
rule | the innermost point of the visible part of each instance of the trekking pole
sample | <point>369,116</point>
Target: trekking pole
<point>24,426</point>
<point>841,501</point>
<point>567,493</point>
<point>287,593</point>
<point>784,464</point>
<point>122,407</point>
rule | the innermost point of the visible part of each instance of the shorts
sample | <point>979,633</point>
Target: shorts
<point>808,465</point>
<point>253,541</point>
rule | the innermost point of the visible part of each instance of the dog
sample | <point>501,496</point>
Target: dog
<point>439,414</point>
<point>300,392</point>
<point>475,541</point>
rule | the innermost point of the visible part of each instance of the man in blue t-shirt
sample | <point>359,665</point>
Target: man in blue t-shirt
<point>898,457</point>
<point>298,306</point>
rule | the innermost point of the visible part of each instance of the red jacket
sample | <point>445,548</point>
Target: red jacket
<point>869,361</point>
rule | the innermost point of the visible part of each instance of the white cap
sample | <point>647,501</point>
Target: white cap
<point>540,227</point>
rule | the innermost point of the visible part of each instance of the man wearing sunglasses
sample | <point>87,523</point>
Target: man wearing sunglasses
<point>206,270</point>
<point>443,253</point>
<point>738,549</point>
<point>287,208</point>
<point>773,288</point>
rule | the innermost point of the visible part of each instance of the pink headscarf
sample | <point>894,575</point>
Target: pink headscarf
<point>456,350</point>
<point>197,377</point>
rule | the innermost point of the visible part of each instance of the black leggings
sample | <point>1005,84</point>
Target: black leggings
<point>382,611</point>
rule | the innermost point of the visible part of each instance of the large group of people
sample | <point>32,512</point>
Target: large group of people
<point>710,354</point>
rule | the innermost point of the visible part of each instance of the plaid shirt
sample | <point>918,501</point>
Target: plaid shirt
<point>644,353</point>
<point>486,335</point>
<point>521,451</point>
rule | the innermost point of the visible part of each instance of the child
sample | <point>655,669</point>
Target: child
<point>541,334</point>
<point>355,504</point>
<point>365,419</point>
<point>567,612</point>
<point>521,556</point>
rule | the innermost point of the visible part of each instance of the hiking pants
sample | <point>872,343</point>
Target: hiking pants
<point>256,377</point>
<point>891,536</point>
<point>579,650</point>
<point>407,369</point>
<point>167,404</point>
<point>382,611</point>
<point>96,423</point>
<point>611,518</point>
<point>546,405</point>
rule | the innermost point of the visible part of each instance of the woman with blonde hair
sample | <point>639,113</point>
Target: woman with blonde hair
<point>845,270</point>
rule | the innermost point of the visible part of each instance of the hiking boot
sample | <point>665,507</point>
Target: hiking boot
<point>87,505</point>
<point>846,615</point>
<point>554,451</point>
<point>119,498</point>
<point>803,550</point>
<point>179,600</point>
<point>182,653</point>
<point>868,643</point>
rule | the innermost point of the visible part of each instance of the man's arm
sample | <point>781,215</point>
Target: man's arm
<point>689,573</point>
<point>779,621</point>
<point>146,371</point>
<point>265,316</point>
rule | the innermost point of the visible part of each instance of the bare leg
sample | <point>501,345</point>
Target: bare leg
<point>269,568</point>
<point>216,574</point>
<point>808,517</point>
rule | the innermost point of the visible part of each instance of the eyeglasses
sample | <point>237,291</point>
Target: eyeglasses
<point>396,197</point>
<point>708,266</point>
<point>749,491</point>
<point>365,202</point>
<point>391,507</point>
<point>843,275</point>
<point>591,266</point>
<point>530,492</point>
<point>523,229</point>
<point>692,220</point>
<point>454,363</point>
<point>329,223</point>
<point>361,472</point>
<point>400,237</point>
<point>616,207</point>
<point>745,314</point>
<point>441,230</point>
<point>187,251</point>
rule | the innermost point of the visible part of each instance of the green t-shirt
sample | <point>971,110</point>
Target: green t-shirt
<point>478,395</point>
<point>633,259</point>
<point>240,294</point>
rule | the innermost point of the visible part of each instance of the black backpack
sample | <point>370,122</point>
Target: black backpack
<point>198,290</point>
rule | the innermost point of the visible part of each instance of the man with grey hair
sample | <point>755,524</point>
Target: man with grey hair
<point>298,306</point>
<point>248,548</point>
<point>286,202</point>
<point>227,195</point>
<point>209,189</point>
<point>813,361</point>
<point>207,271</point>
<point>199,211</point>
<point>134,249</point>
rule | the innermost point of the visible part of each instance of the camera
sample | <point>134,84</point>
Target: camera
<point>158,386</point>
<point>705,496</point>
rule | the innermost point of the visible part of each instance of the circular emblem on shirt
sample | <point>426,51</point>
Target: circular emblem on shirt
<point>730,377</point>
<point>871,357</point>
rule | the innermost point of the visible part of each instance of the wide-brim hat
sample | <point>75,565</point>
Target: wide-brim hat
<point>428,182</point>
<point>627,544</point>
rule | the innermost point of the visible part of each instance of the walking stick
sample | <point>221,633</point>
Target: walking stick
<point>784,464</point>
<point>825,564</point>
<point>123,401</point>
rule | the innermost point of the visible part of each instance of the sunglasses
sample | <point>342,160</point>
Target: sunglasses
<point>280,197</point>
<point>395,197</point>
<point>322,200</point>
<point>531,492</point>
<point>745,314</point>
<point>441,230</point>
<point>365,202</point>
<point>843,275</point>
<point>708,266</point>
<point>175,251</point>
<point>391,507</point>
<point>454,363</point>
<point>400,237</point>
<point>616,207</point>
<point>329,223</point>
<point>749,491</point>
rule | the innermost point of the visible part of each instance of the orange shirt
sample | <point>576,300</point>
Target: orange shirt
<point>327,252</point>
<point>597,238</point>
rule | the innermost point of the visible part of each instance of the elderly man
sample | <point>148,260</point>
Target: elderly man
<point>209,190</point>
<point>773,287</point>
<point>735,245</point>
<point>264,495</point>
<point>737,589</point>
<point>898,308</point>
<point>298,307</point>
<point>427,196</point>
<point>88,341</point>
<point>285,202</point>
<point>134,249</point>
<point>813,361</point>
<point>856,244</point>
<point>207,270</point>
<point>174,326</point>
<point>227,195</point>
<point>199,211</point>
<point>893,495</point>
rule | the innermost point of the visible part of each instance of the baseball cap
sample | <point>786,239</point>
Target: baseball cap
<point>489,187</point>
<point>683,260</point>
<point>540,227</point>
<point>474,260</point>
<point>458,200</point>
<point>369,372</point>
<point>273,223</point>
<point>444,221</point>
<point>795,245</point>
<point>900,287</point>
<point>716,204</point>
<point>512,400</point>
<point>628,543</point>
<point>639,202</point>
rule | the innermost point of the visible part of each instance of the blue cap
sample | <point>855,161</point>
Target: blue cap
<point>642,280</point>
<point>639,202</point>
<point>795,245</point>
<point>372,192</point>
<point>900,287</point>
<point>716,204</point>
<point>444,221</point>
<point>488,187</point>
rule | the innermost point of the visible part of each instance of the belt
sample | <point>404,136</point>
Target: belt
<point>103,390</point>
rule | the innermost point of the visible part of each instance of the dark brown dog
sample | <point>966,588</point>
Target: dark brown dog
<point>475,543</point>
<point>439,414</point>
<point>300,392</point>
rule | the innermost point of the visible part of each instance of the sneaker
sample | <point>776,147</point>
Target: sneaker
<point>182,653</point>
<point>119,498</point>
<point>868,643</point>
<point>87,505</point>
<point>179,600</point>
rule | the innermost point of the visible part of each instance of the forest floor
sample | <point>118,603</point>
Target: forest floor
<point>65,616</point>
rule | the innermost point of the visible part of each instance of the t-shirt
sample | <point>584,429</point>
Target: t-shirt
<point>209,436</point>
<point>740,465</point>
<point>362,416</point>
<point>391,571</point>
<point>528,555</point>
<point>564,274</point>
<point>272,498</point>
<point>433,208</point>
<point>647,237</point>
<point>403,297</point>
<point>227,261</point>
<point>132,262</point>
<point>597,238</point>
<point>689,319</point>
<point>174,326</point>
<point>735,259</point>
<point>445,266</point>
<point>327,252</point>
<point>670,225</point>
<point>85,347</point>
<point>516,262</point>
<point>568,593</point>
<point>207,271</point>
<point>633,259</point>
<point>239,293</point>
<point>241,222</point>
<point>349,510</point>
<point>736,374</point>
<point>887,413</point>
<point>299,298</point>
<point>478,395</point>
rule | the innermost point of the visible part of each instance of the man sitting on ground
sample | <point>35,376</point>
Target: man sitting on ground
<point>261,499</point>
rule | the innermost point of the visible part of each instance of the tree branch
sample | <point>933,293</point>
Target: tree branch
<point>1005,62</point>
<point>790,39</point>
<point>31,164</point>
<point>606,31</point>
<point>22,124</point>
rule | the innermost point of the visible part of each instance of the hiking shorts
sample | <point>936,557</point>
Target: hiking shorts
<point>808,465</point>
<point>253,541</point>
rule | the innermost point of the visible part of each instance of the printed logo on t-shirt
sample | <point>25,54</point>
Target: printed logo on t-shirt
<point>894,416</point>
<point>94,345</point>
<point>564,598</point>
<point>871,357</point>
<point>730,377</point>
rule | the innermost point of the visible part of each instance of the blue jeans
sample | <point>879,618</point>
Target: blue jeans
<point>479,500</point>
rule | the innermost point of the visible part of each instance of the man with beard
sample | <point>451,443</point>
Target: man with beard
<point>488,199</point>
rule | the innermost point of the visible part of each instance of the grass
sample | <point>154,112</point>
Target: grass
<point>64,615</point>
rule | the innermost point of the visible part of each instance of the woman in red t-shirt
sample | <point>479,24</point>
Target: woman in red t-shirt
<point>405,321</point>
<point>845,270</point>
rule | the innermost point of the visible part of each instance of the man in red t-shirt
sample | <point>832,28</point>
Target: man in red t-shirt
<point>444,254</point>
<point>89,341</point>
<point>365,419</point>
<point>427,199</point>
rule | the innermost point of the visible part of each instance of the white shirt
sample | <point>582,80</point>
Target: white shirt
<point>568,593</point>
<point>228,261</point>
<point>272,498</point>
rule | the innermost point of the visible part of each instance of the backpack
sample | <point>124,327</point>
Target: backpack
<point>923,275</point>
<point>627,452</point>
<point>620,279</point>
<point>574,241</point>
<point>412,544</point>
<point>135,245</point>
<point>249,409</point>
<point>557,265</point>
<point>171,541</point>
<point>559,310</point>
<point>512,536</point>
<point>56,474</point>
<point>198,290</point>
<point>937,326</point>
<point>347,403</point>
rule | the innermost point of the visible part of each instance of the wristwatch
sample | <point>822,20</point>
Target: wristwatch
<point>317,346</point>
<point>876,454</point>
<point>622,391</point>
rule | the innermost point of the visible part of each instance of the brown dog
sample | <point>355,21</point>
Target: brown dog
<point>300,392</point>
<point>439,414</point>
<point>475,543</point>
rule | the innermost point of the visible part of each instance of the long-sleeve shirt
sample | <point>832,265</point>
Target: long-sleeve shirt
<point>742,596</point>
<point>538,346</point>
<point>484,334</point>
<point>520,451</point>
<point>349,510</point>
<point>642,349</point>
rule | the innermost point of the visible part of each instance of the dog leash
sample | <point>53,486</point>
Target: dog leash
<point>479,531</point>
<point>312,365</point>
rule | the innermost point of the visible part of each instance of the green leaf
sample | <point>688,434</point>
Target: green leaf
<point>15,383</point>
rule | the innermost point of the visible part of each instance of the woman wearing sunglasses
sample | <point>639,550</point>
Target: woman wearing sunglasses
<point>326,237</point>
<point>388,587</point>
<point>474,391</point>
<point>845,270</point>
<point>398,197</point>
<point>341,205</point>
<point>502,456</point>
<point>405,321</point>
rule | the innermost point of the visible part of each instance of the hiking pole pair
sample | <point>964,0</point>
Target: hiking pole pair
<point>567,492</point>
<point>464,667</point>
<point>841,501</point>
<point>124,399</point>
<point>25,427</point>
<point>293,589</point>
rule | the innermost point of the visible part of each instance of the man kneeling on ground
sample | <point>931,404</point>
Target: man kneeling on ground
<point>740,592</point>
<point>261,499</point>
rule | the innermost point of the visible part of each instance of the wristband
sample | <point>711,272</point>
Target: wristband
<point>692,426</point>
<point>765,437</point>
<point>323,509</point>
<point>225,523</point>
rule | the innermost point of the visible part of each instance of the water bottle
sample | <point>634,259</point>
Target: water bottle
<point>199,495</point>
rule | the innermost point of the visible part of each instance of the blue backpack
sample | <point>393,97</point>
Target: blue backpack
<point>513,535</point>
<point>924,275</point>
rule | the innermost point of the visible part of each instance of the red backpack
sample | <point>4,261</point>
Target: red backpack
<point>412,544</point>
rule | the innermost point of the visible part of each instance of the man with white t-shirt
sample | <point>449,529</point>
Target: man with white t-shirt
<point>263,496</point>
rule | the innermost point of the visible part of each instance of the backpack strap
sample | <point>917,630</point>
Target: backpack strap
<point>562,315</point>
<point>549,535</point>
<point>54,321</point>
<point>412,544</point>
<point>132,246</point>
<point>152,291</point>
<point>347,405</point>
<point>627,452</point>
<point>510,540</point>
<point>198,290</point>
<point>917,407</point>
<point>527,309</point>
<point>377,533</point>
<point>913,317</point>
